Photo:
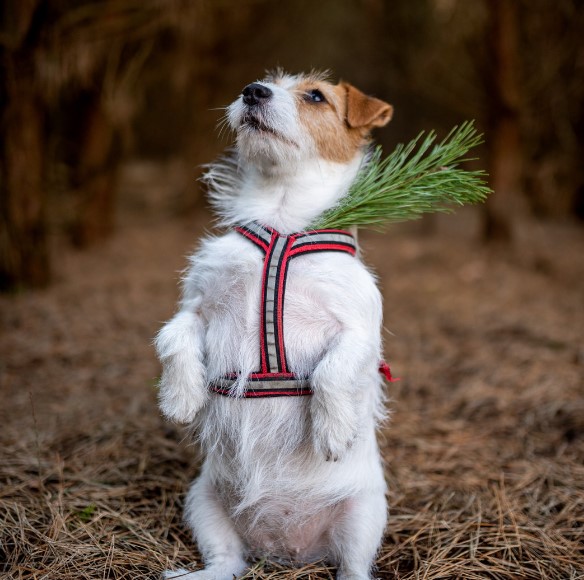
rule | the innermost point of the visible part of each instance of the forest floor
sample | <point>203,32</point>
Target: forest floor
<point>484,452</point>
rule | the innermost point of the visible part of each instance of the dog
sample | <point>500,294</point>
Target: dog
<point>295,478</point>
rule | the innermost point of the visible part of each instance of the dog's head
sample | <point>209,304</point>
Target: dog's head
<point>285,119</point>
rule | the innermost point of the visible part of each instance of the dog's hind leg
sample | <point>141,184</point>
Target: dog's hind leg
<point>218,542</point>
<point>357,534</point>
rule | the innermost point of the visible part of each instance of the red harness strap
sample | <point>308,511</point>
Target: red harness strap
<point>274,377</point>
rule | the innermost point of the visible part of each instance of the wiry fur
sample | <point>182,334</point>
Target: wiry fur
<point>295,478</point>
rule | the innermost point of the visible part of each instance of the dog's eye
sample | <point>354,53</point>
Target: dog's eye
<point>315,96</point>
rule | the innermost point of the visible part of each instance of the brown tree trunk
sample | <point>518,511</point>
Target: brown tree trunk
<point>24,253</point>
<point>503,134</point>
<point>96,176</point>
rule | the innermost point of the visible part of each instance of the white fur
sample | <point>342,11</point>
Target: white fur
<point>294,478</point>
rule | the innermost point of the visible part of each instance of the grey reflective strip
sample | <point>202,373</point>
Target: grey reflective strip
<point>271,290</point>
<point>259,231</point>
<point>325,238</point>
<point>289,385</point>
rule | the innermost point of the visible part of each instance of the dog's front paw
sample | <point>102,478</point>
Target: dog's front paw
<point>334,429</point>
<point>183,382</point>
<point>181,395</point>
<point>333,445</point>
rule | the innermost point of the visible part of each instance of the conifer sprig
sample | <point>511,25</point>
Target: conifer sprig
<point>416,178</point>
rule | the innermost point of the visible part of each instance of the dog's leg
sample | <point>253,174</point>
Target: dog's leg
<point>336,403</point>
<point>357,535</point>
<point>183,382</point>
<point>218,542</point>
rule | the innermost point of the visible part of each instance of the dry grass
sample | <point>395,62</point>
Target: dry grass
<point>485,451</point>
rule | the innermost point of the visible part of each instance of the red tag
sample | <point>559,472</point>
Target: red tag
<point>386,372</point>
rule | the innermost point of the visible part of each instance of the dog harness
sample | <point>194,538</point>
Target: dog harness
<point>274,378</point>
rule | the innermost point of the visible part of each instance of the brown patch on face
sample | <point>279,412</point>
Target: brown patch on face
<point>340,124</point>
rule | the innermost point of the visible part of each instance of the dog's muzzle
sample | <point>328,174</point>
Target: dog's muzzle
<point>256,93</point>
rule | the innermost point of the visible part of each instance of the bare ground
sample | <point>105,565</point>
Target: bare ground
<point>484,452</point>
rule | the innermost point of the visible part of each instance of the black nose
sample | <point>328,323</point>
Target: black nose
<point>255,93</point>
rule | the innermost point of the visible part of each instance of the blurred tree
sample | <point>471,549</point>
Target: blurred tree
<point>95,53</point>
<point>503,134</point>
<point>191,76</point>
<point>54,54</point>
<point>553,120</point>
<point>517,67</point>
<point>24,258</point>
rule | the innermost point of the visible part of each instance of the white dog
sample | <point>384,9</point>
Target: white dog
<point>294,478</point>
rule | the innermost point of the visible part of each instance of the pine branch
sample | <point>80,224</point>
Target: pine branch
<point>416,178</point>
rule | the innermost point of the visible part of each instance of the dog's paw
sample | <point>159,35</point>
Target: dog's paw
<point>341,575</point>
<point>183,383</point>
<point>332,446</point>
<point>181,396</point>
<point>333,430</point>
<point>180,573</point>
<point>212,573</point>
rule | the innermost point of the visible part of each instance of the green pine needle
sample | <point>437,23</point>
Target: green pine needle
<point>410,182</point>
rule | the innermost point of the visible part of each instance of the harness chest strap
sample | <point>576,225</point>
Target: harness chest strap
<point>274,377</point>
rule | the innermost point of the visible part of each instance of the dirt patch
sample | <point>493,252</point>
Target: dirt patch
<point>484,452</point>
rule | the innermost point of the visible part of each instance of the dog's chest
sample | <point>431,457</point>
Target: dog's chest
<point>233,300</point>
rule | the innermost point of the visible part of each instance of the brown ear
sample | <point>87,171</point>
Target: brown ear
<point>364,111</point>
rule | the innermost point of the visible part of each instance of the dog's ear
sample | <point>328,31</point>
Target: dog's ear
<point>364,111</point>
